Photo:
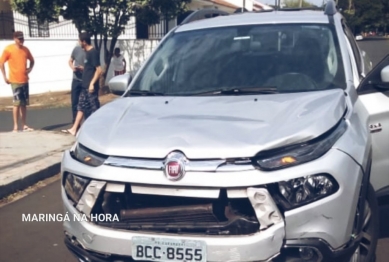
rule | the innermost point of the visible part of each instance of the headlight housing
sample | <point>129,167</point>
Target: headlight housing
<point>300,153</point>
<point>75,186</point>
<point>87,156</point>
<point>304,190</point>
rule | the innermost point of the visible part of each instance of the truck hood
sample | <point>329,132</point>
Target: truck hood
<point>210,126</point>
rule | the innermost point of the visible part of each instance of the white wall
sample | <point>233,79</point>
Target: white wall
<point>248,3</point>
<point>135,52</point>
<point>51,71</point>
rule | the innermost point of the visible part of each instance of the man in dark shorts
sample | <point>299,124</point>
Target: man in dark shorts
<point>88,102</point>
<point>76,63</point>
<point>17,55</point>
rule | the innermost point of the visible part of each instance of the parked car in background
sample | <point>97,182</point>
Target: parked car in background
<point>359,37</point>
<point>257,136</point>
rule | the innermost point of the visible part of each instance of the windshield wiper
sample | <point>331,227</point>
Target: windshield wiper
<point>144,93</point>
<point>242,90</point>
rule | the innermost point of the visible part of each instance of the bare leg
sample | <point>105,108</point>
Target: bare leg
<point>76,124</point>
<point>15,115</point>
<point>23,113</point>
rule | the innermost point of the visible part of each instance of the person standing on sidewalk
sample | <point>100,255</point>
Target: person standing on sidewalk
<point>89,97</point>
<point>76,63</point>
<point>17,55</point>
<point>119,62</point>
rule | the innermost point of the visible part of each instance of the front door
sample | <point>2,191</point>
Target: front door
<point>374,94</point>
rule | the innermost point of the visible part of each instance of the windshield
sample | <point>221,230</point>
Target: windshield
<point>287,58</point>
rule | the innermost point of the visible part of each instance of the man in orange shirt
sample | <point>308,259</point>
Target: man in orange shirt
<point>17,55</point>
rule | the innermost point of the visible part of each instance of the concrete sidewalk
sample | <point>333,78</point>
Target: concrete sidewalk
<point>28,157</point>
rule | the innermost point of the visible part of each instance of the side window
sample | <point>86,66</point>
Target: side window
<point>354,46</point>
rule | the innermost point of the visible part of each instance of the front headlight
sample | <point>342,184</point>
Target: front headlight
<point>301,153</point>
<point>75,186</point>
<point>87,156</point>
<point>304,190</point>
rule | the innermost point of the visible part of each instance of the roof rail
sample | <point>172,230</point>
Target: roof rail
<point>330,8</point>
<point>203,14</point>
<point>301,9</point>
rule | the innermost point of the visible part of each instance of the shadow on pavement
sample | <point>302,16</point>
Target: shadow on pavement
<point>53,127</point>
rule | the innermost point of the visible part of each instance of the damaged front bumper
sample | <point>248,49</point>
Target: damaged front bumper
<point>89,240</point>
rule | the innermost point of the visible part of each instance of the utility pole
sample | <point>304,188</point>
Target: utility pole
<point>301,3</point>
<point>244,5</point>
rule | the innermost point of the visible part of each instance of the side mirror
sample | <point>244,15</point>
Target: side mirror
<point>119,84</point>
<point>385,74</point>
<point>377,78</point>
<point>384,85</point>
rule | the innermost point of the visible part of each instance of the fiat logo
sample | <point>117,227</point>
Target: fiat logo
<point>175,166</point>
<point>173,169</point>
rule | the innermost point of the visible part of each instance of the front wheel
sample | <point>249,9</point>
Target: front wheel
<point>370,230</point>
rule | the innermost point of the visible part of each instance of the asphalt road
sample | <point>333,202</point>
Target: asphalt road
<point>33,241</point>
<point>43,241</point>
<point>46,119</point>
<point>377,49</point>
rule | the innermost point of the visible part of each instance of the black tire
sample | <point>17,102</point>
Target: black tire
<point>370,230</point>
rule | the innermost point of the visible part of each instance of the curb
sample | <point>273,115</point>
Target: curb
<point>18,185</point>
<point>29,174</point>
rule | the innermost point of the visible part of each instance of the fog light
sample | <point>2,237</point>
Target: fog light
<point>304,190</point>
<point>307,253</point>
<point>299,254</point>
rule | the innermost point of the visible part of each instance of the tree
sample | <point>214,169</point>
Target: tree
<point>362,14</point>
<point>370,12</point>
<point>297,4</point>
<point>385,11</point>
<point>103,19</point>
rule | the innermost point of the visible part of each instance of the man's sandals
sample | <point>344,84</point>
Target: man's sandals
<point>66,131</point>
<point>25,129</point>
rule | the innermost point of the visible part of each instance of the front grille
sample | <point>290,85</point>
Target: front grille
<point>169,214</point>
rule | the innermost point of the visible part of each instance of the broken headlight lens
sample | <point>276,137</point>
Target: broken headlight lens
<point>302,153</point>
<point>87,156</point>
<point>75,186</point>
<point>301,191</point>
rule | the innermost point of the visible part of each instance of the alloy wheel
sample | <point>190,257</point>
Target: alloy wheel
<point>369,234</point>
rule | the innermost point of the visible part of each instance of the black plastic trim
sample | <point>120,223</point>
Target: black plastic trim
<point>331,19</point>
<point>329,255</point>
<point>383,192</point>
<point>364,189</point>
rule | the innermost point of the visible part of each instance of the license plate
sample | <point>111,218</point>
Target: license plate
<point>168,250</point>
